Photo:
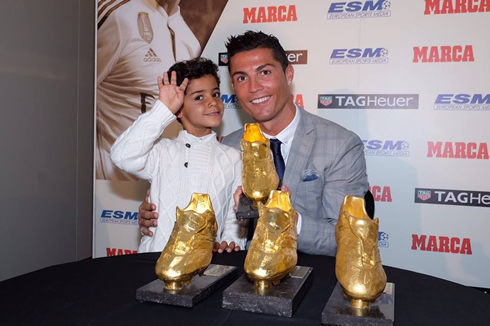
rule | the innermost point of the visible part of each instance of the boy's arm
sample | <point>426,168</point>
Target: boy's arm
<point>233,229</point>
<point>136,150</point>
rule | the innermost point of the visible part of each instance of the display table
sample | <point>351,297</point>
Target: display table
<point>102,292</point>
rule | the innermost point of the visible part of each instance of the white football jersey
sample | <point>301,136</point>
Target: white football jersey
<point>136,42</point>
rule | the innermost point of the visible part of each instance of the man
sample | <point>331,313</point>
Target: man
<point>137,41</point>
<point>324,161</point>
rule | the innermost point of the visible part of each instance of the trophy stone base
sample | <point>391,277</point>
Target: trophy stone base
<point>280,300</point>
<point>214,277</point>
<point>338,310</point>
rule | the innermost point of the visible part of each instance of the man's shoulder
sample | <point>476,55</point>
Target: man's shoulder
<point>233,139</point>
<point>324,126</point>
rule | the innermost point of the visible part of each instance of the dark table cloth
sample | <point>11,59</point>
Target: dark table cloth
<point>102,292</point>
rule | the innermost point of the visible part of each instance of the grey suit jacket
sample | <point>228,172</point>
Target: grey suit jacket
<point>326,162</point>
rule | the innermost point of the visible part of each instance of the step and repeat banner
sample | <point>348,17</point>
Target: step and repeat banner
<point>411,78</point>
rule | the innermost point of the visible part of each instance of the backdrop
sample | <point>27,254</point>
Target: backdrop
<point>411,79</point>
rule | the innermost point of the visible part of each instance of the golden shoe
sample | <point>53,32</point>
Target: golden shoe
<point>358,264</point>
<point>272,253</point>
<point>259,175</point>
<point>190,248</point>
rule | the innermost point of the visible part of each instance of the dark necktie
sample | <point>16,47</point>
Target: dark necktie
<point>278,160</point>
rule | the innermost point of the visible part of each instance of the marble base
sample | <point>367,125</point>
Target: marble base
<point>213,278</point>
<point>338,310</point>
<point>280,300</point>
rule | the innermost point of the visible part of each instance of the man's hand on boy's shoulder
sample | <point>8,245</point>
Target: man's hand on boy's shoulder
<point>224,246</point>
<point>169,93</point>
<point>147,216</point>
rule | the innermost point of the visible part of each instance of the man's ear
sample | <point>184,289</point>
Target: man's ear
<point>289,74</point>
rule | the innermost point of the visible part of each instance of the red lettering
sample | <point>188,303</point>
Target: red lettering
<point>471,6</point>
<point>466,247</point>
<point>432,244</point>
<point>445,54</point>
<point>483,151</point>
<point>471,150</point>
<point>460,150</point>
<point>468,53</point>
<point>454,247</point>
<point>432,5</point>
<point>418,242</point>
<point>261,17</point>
<point>447,7</point>
<point>249,15</point>
<point>272,13</point>
<point>434,149</point>
<point>434,54</point>
<point>457,53</point>
<point>443,244</point>
<point>460,6</point>
<point>448,150</point>
<point>111,252</point>
<point>420,54</point>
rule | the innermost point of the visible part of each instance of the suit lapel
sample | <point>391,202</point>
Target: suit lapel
<point>300,151</point>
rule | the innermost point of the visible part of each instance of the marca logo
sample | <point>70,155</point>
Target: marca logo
<point>359,56</point>
<point>119,252</point>
<point>359,9</point>
<point>463,102</point>
<point>437,7</point>
<point>381,193</point>
<point>453,197</point>
<point>383,238</point>
<point>439,149</point>
<point>271,14</point>
<point>368,101</point>
<point>399,148</point>
<point>455,53</point>
<point>441,244</point>
<point>230,101</point>
<point>297,57</point>
<point>119,217</point>
<point>222,59</point>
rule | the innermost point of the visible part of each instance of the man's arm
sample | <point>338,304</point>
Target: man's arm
<point>346,176</point>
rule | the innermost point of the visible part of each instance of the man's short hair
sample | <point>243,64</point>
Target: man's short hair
<point>251,40</point>
<point>194,69</point>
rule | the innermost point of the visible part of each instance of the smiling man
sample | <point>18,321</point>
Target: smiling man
<point>324,161</point>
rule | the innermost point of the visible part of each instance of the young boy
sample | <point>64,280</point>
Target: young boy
<point>193,162</point>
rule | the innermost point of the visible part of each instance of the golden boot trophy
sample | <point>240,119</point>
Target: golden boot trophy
<point>358,263</point>
<point>259,175</point>
<point>272,253</point>
<point>190,248</point>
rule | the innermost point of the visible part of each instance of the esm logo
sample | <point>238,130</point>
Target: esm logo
<point>462,102</point>
<point>230,101</point>
<point>271,14</point>
<point>359,56</point>
<point>375,147</point>
<point>441,244</point>
<point>455,53</point>
<point>437,7</point>
<point>359,9</point>
<point>119,217</point>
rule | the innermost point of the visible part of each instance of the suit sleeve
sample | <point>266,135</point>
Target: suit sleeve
<point>345,176</point>
<point>136,151</point>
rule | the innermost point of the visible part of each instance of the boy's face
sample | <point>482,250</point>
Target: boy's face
<point>202,109</point>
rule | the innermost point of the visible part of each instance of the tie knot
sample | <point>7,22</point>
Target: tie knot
<point>275,145</point>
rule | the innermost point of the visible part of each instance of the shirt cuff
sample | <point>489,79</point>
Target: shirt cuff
<point>298,226</point>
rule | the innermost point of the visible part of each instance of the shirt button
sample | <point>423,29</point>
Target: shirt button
<point>186,164</point>
<point>188,145</point>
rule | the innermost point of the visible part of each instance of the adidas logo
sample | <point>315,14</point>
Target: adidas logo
<point>151,56</point>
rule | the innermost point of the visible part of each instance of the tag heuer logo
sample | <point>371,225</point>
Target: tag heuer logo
<point>223,59</point>
<point>326,100</point>
<point>424,194</point>
<point>144,27</point>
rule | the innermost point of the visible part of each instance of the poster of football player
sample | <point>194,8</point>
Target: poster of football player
<point>137,40</point>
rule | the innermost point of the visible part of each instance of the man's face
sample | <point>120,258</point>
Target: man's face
<point>202,109</point>
<point>261,86</point>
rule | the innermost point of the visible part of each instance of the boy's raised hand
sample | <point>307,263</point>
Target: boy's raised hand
<point>170,94</point>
